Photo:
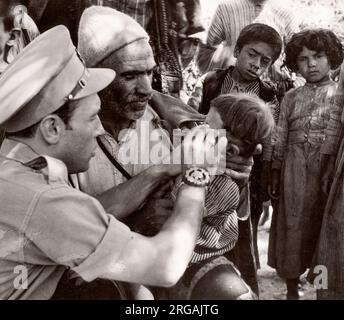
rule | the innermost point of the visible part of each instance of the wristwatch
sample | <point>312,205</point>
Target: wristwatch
<point>197,177</point>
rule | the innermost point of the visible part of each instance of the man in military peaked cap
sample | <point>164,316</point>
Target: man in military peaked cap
<point>48,230</point>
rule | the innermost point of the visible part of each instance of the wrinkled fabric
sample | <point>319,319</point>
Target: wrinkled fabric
<point>300,135</point>
<point>47,227</point>
<point>330,252</point>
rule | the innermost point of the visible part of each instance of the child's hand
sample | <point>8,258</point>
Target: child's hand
<point>275,184</point>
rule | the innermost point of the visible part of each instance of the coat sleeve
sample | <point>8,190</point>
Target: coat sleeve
<point>334,129</point>
<point>280,134</point>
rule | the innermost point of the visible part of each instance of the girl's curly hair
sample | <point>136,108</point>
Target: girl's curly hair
<point>319,40</point>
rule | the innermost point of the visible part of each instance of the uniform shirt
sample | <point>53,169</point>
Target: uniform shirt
<point>47,227</point>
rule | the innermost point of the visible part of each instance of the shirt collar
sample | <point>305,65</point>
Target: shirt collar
<point>54,169</point>
<point>229,83</point>
<point>319,84</point>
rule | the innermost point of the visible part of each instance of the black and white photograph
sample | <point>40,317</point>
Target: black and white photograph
<point>171,150</point>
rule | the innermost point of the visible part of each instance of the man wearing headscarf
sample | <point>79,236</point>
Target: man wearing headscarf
<point>167,22</point>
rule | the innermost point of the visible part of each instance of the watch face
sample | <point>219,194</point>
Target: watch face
<point>197,177</point>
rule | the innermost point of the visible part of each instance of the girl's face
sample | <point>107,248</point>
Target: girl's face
<point>313,66</point>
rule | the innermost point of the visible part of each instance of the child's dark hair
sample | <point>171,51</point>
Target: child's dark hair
<point>246,117</point>
<point>318,40</point>
<point>258,32</point>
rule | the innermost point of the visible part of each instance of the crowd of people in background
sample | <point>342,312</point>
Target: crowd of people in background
<point>127,230</point>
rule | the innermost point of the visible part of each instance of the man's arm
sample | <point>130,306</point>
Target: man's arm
<point>162,259</point>
<point>124,199</point>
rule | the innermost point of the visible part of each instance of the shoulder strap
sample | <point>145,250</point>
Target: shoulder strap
<point>113,160</point>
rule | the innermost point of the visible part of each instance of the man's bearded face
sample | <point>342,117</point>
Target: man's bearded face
<point>132,88</point>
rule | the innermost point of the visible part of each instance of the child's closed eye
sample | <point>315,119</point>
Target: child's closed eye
<point>232,150</point>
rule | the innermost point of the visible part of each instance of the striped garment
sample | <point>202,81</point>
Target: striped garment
<point>219,229</point>
<point>232,16</point>
<point>140,10</point>
<point>230,86</point>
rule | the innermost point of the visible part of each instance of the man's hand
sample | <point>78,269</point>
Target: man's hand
<point>203,147</point>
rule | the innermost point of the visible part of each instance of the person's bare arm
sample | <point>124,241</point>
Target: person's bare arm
<point>161,260</point>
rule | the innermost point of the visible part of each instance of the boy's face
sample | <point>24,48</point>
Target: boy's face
<point>253,59</point>
<point>313,66</point>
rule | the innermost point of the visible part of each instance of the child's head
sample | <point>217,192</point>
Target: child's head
<point>257,48</point>
<point>247,119</point>
<point>313,53</point>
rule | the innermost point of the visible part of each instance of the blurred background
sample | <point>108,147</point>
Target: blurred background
<point>315,13</point>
